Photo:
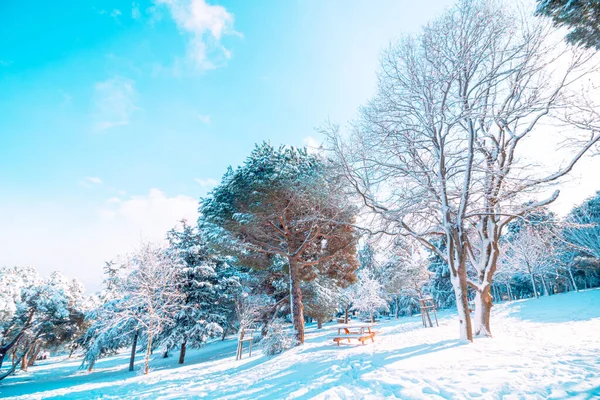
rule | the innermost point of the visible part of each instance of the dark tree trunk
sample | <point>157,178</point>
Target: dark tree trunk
<point>182,351</point>
<point>346,314</point>
<point>319,323</point>
<point>133,348</point>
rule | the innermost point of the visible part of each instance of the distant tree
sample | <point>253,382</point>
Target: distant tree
<point>532,251</point>
<point>322,299</point>
<point>581,17</point>
<point>208,293</point>
<point>284,202</point>
<point>582,228</point>
<point>153,296</point>
<point>33,312</point>
<point>142,301</point>
<point>368,296</point>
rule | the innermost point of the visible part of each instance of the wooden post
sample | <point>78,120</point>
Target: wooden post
<point>427,304</point>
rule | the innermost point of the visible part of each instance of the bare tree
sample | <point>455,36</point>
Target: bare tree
<point>153,295</point>
<point>531,251</point>
<point>435,154</point>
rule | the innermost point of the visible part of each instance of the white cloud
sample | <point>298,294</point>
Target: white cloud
<point>135,10</point>
<point>152,214</point>
<point>115,13</point>
<point>312,145</point>
<point>90,181</point>
<point>78,239</point>
<point>115,101</point>
<point>205,25</point>
<point>93,179</point>
<point>206,183</point>
<point>204,118</point>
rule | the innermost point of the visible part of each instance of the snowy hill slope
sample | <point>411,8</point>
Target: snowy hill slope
<point>542,348</point>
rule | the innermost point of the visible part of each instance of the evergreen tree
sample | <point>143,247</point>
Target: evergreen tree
<point>581,17</point>
<point>284,202</point>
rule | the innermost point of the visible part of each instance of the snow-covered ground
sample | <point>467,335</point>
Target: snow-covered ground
<point>542,348</point>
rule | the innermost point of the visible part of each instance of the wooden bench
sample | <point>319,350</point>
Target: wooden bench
<point>361,337</point>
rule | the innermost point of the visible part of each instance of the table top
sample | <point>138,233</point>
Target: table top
<point>353,325</point>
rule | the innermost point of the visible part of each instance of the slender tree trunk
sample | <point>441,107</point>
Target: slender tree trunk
<point>24,360</point>
<point>133,348</point>
<point>297,309</point>
<point>546,292</point>
<point>397,307</point>
<point>148,352</point>
<point>573,280</point>
<point>10,371</point>
<point>182,351</point>
<point>319,323</point>
<point>346,314</point>
<point>34,354</point>
<point>165,353</point>
<point>71,351</point>
<point>533,286</point>
<point>91,366</point>
<point>508,292</point>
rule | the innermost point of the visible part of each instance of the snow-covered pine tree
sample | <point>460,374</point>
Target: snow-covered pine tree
<point>321,299</point>
<point>284,202</point>
<point>32,310</point>
<point>208,285</point>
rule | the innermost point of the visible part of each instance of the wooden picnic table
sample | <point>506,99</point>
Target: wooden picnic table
<point>361,331</point>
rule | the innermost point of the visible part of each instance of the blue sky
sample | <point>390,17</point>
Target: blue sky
<point>116,116</point>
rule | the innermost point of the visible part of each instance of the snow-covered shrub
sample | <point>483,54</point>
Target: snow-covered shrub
<point>277,339</point>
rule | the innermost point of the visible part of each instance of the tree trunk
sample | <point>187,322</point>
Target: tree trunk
<point>148,352</point>
<point>546,292</point>
<point>133,348</point>
<point>459,284</point>
<point>483,308</point>
<point>573,280</point>
<point>34,354</point>
<point>319,323</point>
<point>533,286</point>
<point>346,314</point>
<point>71,351</point>
<point>4,349</point>
<point>182,351</point>
<point>297,308</point>
<point>91,366</point>
<point>24,360</point>
<point>397,307</point>
<point>165,353</point>
<point>508,292</point>
<point>224,335</point>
